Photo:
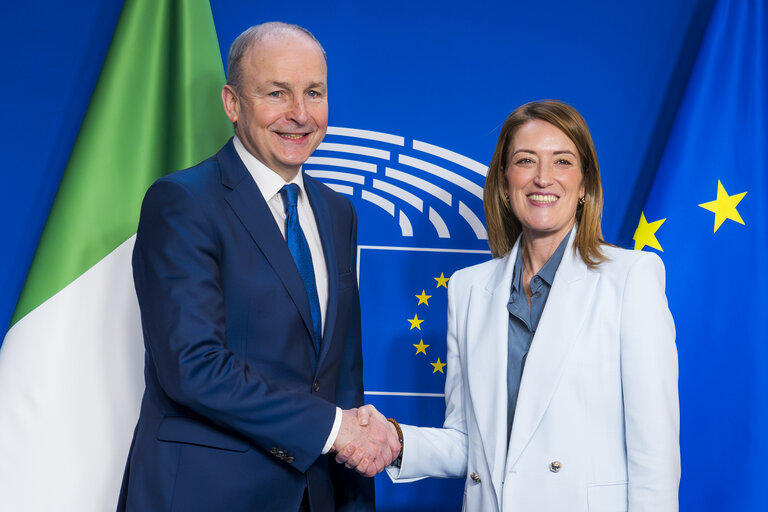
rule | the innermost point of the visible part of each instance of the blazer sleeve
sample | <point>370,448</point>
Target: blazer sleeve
<point>177,279</point>
<point>649,382</point>
<point>440,452</point>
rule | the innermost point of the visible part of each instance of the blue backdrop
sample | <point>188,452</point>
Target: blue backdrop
<point>438,78</point>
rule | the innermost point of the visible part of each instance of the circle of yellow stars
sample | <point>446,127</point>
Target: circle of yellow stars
<point>421,347</point>
<point>724,208</point>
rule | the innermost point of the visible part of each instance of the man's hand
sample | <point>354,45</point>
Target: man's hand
<point>366,441</point>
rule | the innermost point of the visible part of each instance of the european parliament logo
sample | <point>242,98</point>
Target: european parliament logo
<point>420,209</point>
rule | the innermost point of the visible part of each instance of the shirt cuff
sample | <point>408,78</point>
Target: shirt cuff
<point>334,432</point>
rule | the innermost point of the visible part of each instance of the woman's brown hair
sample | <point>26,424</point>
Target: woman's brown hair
<point>503,226</point>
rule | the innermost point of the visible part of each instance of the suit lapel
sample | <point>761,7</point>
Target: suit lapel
<point>327,237</point>
<point>487,333</point>
<point>561,322</point>
<point>246,200</point>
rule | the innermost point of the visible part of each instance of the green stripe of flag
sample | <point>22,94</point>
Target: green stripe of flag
<point>155,109</point>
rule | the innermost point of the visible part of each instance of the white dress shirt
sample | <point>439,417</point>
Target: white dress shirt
<point>270,183</point>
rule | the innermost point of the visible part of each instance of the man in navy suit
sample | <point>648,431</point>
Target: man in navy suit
<point>253,354</point>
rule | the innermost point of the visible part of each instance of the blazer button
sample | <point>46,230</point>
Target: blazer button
<point>555,466</point>
<point>290,460</point>
<point>475,477</point>
<point>316,386</point>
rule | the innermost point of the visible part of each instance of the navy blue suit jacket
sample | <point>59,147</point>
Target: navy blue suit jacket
<point>238,405</point>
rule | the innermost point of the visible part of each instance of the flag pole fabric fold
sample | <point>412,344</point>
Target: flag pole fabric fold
<point>71,364</point>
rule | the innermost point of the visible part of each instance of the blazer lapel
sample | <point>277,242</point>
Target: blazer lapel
<point>487,333</point>
<point>561,322</point>
<point>327,238</point>
<point>245,198</point>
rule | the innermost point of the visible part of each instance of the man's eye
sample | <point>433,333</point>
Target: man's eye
<point>276,94</point>
<point>313,94</point>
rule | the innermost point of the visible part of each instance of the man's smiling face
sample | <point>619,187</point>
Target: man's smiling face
<point>281,106</point>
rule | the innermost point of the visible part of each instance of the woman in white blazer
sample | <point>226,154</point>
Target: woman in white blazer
<point>596,421</point>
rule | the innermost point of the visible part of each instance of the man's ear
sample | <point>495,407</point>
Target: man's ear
<point>231,102</point>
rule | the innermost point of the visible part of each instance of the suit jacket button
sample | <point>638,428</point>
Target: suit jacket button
<point>274,450</point>
<point>290,460</point>
<point>475,477</point>
<point>316,386</point>
<point>555,466</point>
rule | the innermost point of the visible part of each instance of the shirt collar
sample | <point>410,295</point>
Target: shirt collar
<point>517,271</point>
<point>268,181</point>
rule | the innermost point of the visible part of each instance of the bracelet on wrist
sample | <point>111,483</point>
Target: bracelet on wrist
<point>396,463</point>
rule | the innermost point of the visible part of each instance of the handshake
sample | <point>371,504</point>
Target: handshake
<point>366,441</point>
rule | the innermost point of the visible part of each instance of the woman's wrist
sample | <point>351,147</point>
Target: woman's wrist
<point>396,463</point>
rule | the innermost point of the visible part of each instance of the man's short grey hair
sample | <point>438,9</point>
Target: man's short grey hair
<point>251,37</point>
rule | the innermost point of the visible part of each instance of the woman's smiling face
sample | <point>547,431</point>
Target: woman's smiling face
<point>544,180</point>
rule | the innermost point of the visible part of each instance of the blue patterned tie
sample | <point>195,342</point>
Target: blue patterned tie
<point>299,248</point>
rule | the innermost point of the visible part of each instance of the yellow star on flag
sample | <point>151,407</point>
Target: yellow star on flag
<point>415,322</point>
<point>645,234</point>
<point>438,366</point>
<point>421,347</point>
<point>724,207</point>
<point>441,281</point>
<point>423,298</point>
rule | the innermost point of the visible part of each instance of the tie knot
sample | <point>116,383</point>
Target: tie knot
<point>290,194</point>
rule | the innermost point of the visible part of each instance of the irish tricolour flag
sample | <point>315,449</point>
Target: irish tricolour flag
<point>71,365</point>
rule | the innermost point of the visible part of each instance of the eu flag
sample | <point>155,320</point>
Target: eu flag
<point>706,215</point>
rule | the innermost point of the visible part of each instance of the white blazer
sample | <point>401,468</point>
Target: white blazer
<point>596,426</point>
